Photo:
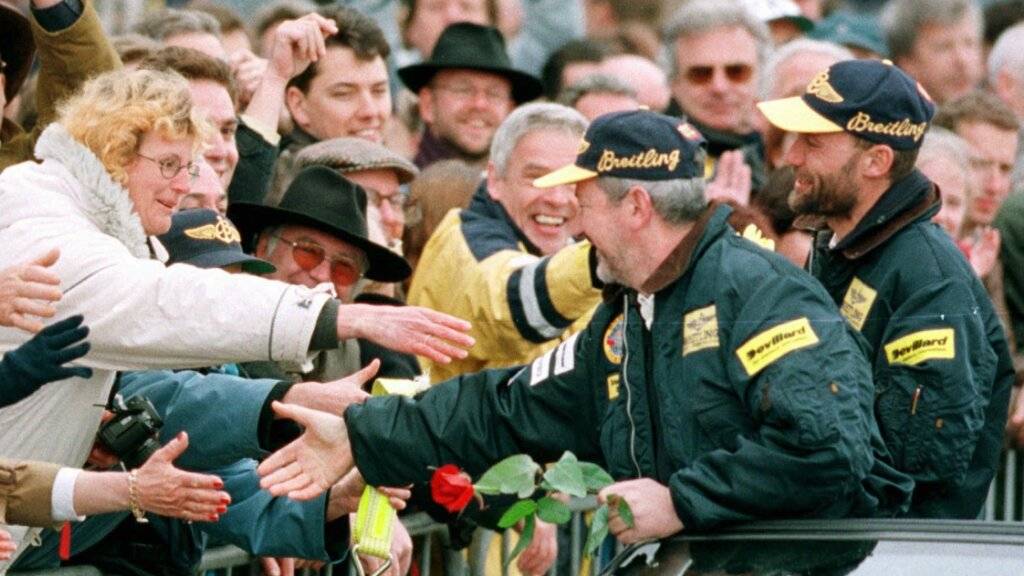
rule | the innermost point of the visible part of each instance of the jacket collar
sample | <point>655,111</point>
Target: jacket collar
<point>297,139</point>
<point>106,203</point>
<point>483,206</point>
<point>704,230</point>
<point>911,199</point>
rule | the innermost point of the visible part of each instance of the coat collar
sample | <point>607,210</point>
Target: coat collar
<point>106,203</point>
<point>911,199</point>
<point>707,227</point>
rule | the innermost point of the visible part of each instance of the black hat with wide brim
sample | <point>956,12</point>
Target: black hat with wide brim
<point>321,198</point>
<point>16,48</point>
<point>470,46</point>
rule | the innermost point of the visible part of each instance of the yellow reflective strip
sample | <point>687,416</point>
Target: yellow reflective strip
<point>374,519</point>
<point>915,348</point>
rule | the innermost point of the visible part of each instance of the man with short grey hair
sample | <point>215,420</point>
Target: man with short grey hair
<point>936,42</point>
<point>599,94</point>
<point>185,28</point>
<point>717,50</point>
<point>508,262</point>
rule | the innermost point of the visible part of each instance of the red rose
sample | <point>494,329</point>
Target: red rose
<point>451,488</point>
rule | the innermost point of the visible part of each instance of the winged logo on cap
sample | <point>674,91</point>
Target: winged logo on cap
<point>822,89</point>
<point>583,147</point>
<point>688,132</point>
<point>223,231</point>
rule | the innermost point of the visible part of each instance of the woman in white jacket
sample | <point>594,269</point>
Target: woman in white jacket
<point>113,168</point>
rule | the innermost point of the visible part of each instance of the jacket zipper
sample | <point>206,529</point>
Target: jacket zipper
<point>625,380</point>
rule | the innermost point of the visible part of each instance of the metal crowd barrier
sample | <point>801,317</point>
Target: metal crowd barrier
<point>1005,503</point>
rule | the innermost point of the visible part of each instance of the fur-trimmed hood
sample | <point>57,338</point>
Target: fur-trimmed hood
<point>105,202</point>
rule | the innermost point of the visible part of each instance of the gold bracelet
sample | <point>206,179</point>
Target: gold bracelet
<point>133,498</point>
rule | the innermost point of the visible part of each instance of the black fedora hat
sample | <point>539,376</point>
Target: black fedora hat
<point>16,47</point>
<point>474,47</point>
<point>321,198</point>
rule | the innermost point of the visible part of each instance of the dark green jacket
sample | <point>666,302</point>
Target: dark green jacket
<point>942,368</point>
<point>750,398</point>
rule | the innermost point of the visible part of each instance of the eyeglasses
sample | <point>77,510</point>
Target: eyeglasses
<point>171,165</point>
<point>736,73</point>
<point>396,200</point>
<point>308,255</point>
<point>466,92</point>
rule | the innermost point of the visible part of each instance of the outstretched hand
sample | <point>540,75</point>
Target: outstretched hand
<point>313,462</point>
<point>42,360</point>
<point>409,329</point>
<point>169,491</point>
<point>335,396</point>
<point>26,291</point>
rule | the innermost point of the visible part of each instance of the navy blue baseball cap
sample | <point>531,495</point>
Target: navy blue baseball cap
<point>205,239</point>
<point>639,145</point>
<point>870,99</point>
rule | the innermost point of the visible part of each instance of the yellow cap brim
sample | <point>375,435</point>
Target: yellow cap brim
<point>794,115</point>
<point>565,175</point>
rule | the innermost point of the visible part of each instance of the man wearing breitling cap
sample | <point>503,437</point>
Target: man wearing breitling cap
<point>717,380</point>
<point>941,363</point>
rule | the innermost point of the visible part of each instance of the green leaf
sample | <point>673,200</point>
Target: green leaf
<point>598,529</point>
<point>566,476</point>
<point>594,477</point>
<point>553,511</point>
<point>517,512</point>
<point>625,512</point>
<point>524,539</point>
<point>513,475</point>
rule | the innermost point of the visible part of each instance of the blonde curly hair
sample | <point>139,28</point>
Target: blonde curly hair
<point>114,111</point>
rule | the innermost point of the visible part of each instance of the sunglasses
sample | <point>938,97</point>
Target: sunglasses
<point>736,73</point>
<point>308,255</point>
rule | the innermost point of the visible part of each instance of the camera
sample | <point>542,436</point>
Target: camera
<point>131,434</point>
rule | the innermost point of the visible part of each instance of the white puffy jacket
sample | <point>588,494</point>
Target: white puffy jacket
<point>141,313</point>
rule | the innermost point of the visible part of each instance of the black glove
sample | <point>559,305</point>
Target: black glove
<point>40,360</point>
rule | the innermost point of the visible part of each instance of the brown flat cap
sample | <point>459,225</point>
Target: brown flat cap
<point>354,155</point>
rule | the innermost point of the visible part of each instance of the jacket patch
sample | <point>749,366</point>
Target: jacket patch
<point>768,346</point>
<point>565,355</point>
<point>613,387</point>
<point>564,361</point>
<point>700,330</point>
<point>857,303</point>
<point>612,341</point>
<point>917,347</point>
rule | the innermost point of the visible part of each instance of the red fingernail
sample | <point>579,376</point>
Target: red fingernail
<point>219,484</point>
<point>212,517</point>
<point>222,509</point>
<point>225,499</point>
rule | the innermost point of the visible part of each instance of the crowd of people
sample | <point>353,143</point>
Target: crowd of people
<point>760,259</point>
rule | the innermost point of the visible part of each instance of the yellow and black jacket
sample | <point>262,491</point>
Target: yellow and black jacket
<point>479,266</point>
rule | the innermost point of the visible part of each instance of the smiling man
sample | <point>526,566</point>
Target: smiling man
<point>508,262</point>
<point>940,357</point>
<point>344,93</point>
<point>465,90</point>
<point>717,382</point>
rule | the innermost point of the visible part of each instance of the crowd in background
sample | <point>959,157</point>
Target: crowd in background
<point>376,161</point>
